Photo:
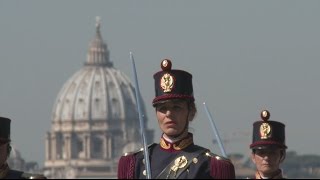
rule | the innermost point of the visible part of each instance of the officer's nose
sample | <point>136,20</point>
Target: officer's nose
<point>168,113</point>
<point>266,157</point>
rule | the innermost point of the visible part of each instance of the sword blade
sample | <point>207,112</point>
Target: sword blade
<point>142,130</point>
<point>215,130</point>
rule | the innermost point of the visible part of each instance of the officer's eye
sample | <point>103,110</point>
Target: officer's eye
<point>162,109</point>
<point>177,108</point>
<point>3,142</point>
<point>266,152</point>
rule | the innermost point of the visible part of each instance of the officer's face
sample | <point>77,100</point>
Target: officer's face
<point>267,161</point>
<point>3,152</point>
<point>173,117</point>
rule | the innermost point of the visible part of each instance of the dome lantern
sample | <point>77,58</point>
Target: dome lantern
<point>98,53</point>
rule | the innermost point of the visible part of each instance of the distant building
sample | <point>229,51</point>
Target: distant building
<point>94,120</point>
<point>17,162</point>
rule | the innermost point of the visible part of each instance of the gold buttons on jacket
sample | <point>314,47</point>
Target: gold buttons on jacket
<point>195,160</point>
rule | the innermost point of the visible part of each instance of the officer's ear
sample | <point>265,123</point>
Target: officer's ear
<point>253,153</point>
<point>282,155</point>
<point>8,150</point>
<point>192,114</point>
<point>192,110</point>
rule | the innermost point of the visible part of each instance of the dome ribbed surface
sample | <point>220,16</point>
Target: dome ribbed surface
<point>96,93</point>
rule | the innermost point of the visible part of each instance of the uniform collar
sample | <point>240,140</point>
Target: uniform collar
<point>177,145</point>
<point>277,176</point>
<point>4,171</point>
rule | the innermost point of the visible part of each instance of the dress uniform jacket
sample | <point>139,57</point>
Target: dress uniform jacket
<point>180,160</point>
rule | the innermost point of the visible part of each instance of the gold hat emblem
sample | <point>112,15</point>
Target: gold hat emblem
<point>167,82</point>
<point>265,131</point>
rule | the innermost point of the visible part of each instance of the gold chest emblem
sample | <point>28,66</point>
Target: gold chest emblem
<point>180,162</point>
<point>265,131</point>
<point>167,82</point>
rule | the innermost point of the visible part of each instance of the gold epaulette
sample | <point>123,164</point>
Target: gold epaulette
<point>137,151</point>
<point>32,176</point>
<point>210,154</point>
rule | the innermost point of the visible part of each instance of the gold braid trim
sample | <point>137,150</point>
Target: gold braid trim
<point>164,145</point>
<point>183,144</point>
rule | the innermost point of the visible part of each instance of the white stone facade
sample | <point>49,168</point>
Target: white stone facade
<point>94,120</point>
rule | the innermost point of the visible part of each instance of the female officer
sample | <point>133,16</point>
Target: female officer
<point>268,147</point>
<point>176,156</point>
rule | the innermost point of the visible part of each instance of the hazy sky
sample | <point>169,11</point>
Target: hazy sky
<point>245,56</point>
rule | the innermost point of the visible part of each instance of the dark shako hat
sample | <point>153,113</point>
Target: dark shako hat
<point>267,133</point>
<point>172,83</point>
<point>4,128</point>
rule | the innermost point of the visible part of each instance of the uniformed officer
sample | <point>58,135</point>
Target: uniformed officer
<point>5,148</point>
<point>176,156</point>
<point>268,147</point>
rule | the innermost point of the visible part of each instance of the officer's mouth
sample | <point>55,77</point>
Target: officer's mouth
<point>170,123</point>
